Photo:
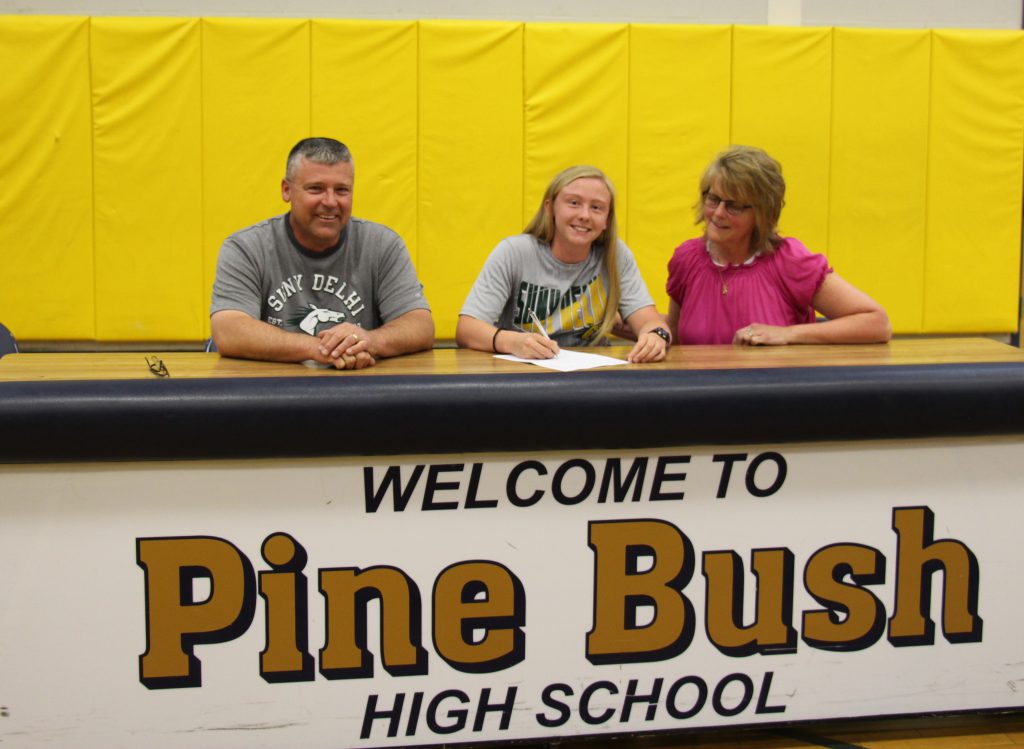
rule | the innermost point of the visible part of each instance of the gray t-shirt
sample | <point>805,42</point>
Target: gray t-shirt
<point>522,274</point>
<point>367,279</point>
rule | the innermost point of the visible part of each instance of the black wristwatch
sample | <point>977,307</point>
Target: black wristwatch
<point>663,335</point>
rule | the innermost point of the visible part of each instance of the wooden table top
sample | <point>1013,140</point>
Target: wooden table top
<point>121,366</point>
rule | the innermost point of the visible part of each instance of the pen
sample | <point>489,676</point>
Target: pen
<point>543,331</point>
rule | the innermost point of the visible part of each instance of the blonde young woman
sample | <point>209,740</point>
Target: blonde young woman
<point>567,276</point>
<point>743,283</point>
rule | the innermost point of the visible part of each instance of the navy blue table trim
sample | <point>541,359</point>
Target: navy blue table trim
<point>167,419</point>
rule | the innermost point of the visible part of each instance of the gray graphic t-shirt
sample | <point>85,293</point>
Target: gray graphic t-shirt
<point>367,279</point>
<point>522,275</point>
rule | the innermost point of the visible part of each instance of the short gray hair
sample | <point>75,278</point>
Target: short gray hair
<point>319,150</point>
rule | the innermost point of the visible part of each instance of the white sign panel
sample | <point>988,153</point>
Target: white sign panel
<point>466,598</point>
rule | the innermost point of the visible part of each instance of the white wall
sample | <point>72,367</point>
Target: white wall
<point>988,14</point>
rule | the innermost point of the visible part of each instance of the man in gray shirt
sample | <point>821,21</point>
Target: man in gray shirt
<point>316,283</point>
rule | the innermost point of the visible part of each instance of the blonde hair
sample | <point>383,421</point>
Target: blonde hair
<point>542,226</point>
<point>749,175</point>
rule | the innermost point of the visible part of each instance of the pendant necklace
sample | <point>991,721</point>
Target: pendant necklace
<point>723,267</point>
<point>719,268</point>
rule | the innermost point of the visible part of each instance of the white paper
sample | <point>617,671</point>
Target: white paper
<point>568,361</point>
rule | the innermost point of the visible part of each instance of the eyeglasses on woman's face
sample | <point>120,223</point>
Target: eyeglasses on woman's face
<point>712,201</point>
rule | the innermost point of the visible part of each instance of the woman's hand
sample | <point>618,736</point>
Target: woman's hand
<point>527,345</point>
<point>483,336</point>
<point>851,317</point>
<point>649,347</point>
<point>757,334</point>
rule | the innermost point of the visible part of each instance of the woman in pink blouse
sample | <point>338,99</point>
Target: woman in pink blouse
<point>743,283</point>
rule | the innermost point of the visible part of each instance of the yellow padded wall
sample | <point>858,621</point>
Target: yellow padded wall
<point>577,105</point>
<point>781,93</point>
<point>148,160</point>
<point>679,113</point>
<point>903,151</point>
<point>878,186</point>
<point>255,108</point>
<point>46,204</point>
<point>364,93</point>
<point>972,276</point>
<point>471,154</point>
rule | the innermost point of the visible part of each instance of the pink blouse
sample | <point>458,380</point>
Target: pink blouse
<point>774,288</point>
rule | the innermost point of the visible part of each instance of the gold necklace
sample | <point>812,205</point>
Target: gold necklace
<point>722,267</point>
<point>719,267</point>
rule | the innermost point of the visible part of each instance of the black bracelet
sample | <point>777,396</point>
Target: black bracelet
<point>494,341</point>
<point>663,335</point>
